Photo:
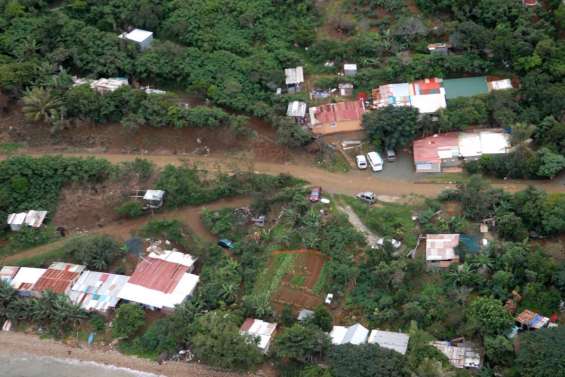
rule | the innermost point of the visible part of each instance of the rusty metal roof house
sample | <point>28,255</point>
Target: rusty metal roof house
<point>395,341</point>
<point>296,109</point>
<point>25,279</point>
<point>97,291</point>
<point>7,273</point>
<point>440,249</point>
<point>532,320</point>
<point>338,117</point>
<point>433,153</point>
<point>462,355</point>
<point>142,38</point>
<point>262,330</point>
<point>161,280</point>
<point>59,278</point>
<point>355,334</point>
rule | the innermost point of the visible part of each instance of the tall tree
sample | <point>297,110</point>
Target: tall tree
<point>366,360</point>
<point>542,353</point>
<point>392,127</point>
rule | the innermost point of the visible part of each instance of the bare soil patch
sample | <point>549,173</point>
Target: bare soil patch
<point>296,286</point>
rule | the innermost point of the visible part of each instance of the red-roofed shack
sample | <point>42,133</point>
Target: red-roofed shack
<point>158,274</point>
<point>338,117</point>
<point>59,278</point>
<point>437,151</point>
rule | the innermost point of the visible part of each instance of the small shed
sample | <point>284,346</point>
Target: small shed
<point>16,220</point>
<point>154,198</point>
<point>142,38</point>
<point>304,314</point>
<point>262,330</point>
<point>7,273</point>
<point>440,249</point>
<point>439,48</point>
<point>35,218</point>
<point>350,69</point>
<point>296,109</point>
<point>345,89</point>
<point>294,79</point>
<point>531,320</point>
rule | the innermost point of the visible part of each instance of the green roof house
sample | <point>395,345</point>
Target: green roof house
<point>465,87</point>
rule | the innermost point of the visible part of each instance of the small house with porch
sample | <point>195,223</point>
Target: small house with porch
<point>294,79</point>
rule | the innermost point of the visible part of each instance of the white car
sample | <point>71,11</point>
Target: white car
<point>395,243</point>
<point>361,161</point>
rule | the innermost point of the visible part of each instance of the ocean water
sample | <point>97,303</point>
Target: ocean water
<point>33,366</point>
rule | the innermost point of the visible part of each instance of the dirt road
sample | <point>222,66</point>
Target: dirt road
<point>371,237</point>
<point>337,183</point>
<point>123,229</point>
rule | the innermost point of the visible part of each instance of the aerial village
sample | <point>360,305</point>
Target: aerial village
<point>339,221</point>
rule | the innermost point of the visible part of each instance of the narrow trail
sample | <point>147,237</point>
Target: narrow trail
<point>124,228</point>
<point>354,220</point>
<point>337,183</point>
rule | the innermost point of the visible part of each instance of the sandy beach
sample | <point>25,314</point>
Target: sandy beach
<point>18,344</point>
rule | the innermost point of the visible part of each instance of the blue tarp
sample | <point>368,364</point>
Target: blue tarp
<point>471,242</point>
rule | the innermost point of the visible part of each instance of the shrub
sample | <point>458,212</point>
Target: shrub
<point>97,252</point>
<point>130,209</point>
<point>129,319</point>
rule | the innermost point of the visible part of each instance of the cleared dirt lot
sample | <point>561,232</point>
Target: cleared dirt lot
<point>296,287</point>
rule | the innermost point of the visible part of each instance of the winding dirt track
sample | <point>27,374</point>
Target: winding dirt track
<point>336,183</point>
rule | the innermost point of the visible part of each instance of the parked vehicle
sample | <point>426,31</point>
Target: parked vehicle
<point>390,155</point>
<point>395,243</point>
<point>367,197</point>
<point>315,194</point>
<point>361,162</point>
<point>225,243</point>
<point>375,161</point>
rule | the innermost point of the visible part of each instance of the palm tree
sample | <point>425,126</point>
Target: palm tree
<point>40,105</point>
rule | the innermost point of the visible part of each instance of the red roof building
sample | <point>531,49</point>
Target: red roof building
<point>338,117</point>
<point>430,152</point>
<point>59,278</point>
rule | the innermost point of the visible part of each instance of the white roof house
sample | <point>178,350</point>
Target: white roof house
<point>429,103</point>
<point>259,329</point>
<point>475,144</point>
<point>296,109</point>
<point>350,69</point>
<point>161,280</point>
<point>103,85</point>
<point>463,355</point>
<point>26,277</point>
<point>356,334</point>
<point>97,291</point>
<point>142,37</point>
<point>7,273</point>
<point>16,220</point>
<point>395,341</point>
<point>500,84</point>
<point>294,76</point>
<point>154,198</point>
<point>441,247</point>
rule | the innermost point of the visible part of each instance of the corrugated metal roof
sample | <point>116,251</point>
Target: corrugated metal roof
<point>16,218</point>
<point>26,277</point>
<point>355,334</point>
<point>97,290</point>
<point>7,273</point>
<point>138,35</point>
<point>154,195</point>
<point>296,109</point>
<point>532,319</point>
<point>460,356</point>
<point>395,341</point>
<point>158,274</point>
<point>59,277</point>
<point>428,149</point>
<point>465,87</point>
<point>260,329</point>
<point>294,76</point>
<point>35,218</point>
<point>333,113</point>
<point>440,247</point>
<point>429,103</point>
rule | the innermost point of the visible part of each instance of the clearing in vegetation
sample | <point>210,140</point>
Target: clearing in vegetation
<point>290,277</point>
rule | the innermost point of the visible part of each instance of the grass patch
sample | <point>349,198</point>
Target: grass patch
<point>9,148</point>
<point>270,278</point>
<point>297,280</point>
<point>387,220</point>
<point>321,283</point>
<point>333,162</point>
<point>27,238</point>
<point>43,259</point>
<point>444,178</point>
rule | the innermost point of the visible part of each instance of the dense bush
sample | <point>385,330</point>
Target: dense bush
<point>34,183</point>
<point>130,209</point>
<point>97,252</point>
<point>128,320</point>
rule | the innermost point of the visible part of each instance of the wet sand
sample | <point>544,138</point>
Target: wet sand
<point>20,346</point>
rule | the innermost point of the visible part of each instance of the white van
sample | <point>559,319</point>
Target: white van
<point>375,161</point>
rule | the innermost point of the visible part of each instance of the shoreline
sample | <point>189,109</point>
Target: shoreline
<point>21,344</point>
